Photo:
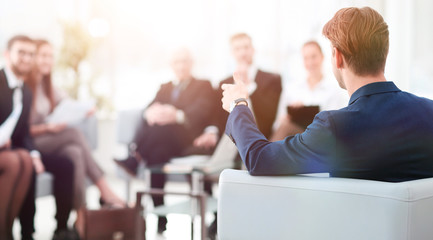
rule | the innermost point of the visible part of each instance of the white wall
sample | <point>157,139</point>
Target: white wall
<point>132,60</point>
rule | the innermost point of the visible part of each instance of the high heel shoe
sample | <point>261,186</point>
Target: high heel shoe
<point>101,202</point>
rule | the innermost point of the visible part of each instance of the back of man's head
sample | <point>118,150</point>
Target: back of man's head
<point>18,38</point>
<point>362,36</point>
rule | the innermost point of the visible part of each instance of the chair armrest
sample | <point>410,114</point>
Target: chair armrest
<point>305,207</point>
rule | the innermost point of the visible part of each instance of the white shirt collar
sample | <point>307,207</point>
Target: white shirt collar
<point>252,73</point>
<point>13,81</point>
<point>176,82</point>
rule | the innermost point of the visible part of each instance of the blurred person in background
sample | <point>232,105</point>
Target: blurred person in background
<point>384,134</point>
<point>16,164</point>
<point>16,96</point>
<point>16,169</point>
<point>315,90</point>
<point>60,140</point>
<point>264,89</point>
<point>179,113</point>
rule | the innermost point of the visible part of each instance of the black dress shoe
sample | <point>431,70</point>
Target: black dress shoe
<point>130,165</point>
<point>162,224</point>
<point>212,229</point>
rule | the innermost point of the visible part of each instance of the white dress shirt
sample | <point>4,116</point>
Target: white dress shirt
<point>326,94</point>
<point>8,126</point>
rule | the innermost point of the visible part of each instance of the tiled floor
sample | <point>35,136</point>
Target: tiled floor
<point>178,228</point>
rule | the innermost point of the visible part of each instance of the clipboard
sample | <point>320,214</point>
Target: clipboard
<point>303,116</point>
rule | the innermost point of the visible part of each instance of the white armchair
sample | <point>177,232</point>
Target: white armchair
<point>313,208</point>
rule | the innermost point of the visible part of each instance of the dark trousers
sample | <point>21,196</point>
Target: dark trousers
<point>27,212</point>
<point>63,171</point>
<point>157,145</point>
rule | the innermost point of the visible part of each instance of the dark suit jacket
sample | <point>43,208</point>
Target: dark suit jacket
<point>265,101</point>
<point>195,101</point>
<point>384,134</point>
<point>20,137</point>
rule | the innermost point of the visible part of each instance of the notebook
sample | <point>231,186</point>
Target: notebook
<point>303,116</point>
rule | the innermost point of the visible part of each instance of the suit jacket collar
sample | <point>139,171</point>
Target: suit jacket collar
<point>373,88</point>
<point>11,79</point>
<point>182,85</point>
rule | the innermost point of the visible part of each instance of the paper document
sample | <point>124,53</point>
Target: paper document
<point>70,112</point>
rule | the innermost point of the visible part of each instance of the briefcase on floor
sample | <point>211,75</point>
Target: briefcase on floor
<point>112,223</point>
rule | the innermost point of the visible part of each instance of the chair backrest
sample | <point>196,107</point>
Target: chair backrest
<point>89,127</point>
<point>127,124</point>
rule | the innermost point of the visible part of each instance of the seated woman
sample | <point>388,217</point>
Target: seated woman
<point>315,91</point>
<point>16,167</point>
<point>58,138</point>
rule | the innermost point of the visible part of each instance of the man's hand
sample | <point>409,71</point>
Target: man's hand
<point>39,166</point>
<point>55,127</point>
<point>207,140</point>
<point>161,114</point>
<point>91,112</point>
<point>7,145</point>
<point>234,91</point>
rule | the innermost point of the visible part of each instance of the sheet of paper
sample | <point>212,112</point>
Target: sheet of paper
<point>70,112</point>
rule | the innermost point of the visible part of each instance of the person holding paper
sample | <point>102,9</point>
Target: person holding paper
<point>58,138</point>
<point>316,90</point>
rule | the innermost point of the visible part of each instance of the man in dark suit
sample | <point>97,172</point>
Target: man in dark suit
<point>19,57</point>
<point>19,61</point>
<point>179,113</point>
<point>383,134</point>
<point>264,89</point>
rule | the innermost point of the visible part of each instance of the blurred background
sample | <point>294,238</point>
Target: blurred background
<point>117,52</point>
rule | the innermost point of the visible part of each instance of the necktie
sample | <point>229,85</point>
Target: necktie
<point>176,92</point>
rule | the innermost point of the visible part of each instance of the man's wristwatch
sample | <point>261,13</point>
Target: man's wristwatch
<point>236,102</point>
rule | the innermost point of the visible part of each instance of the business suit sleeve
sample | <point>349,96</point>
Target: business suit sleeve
<point>309,152</point>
